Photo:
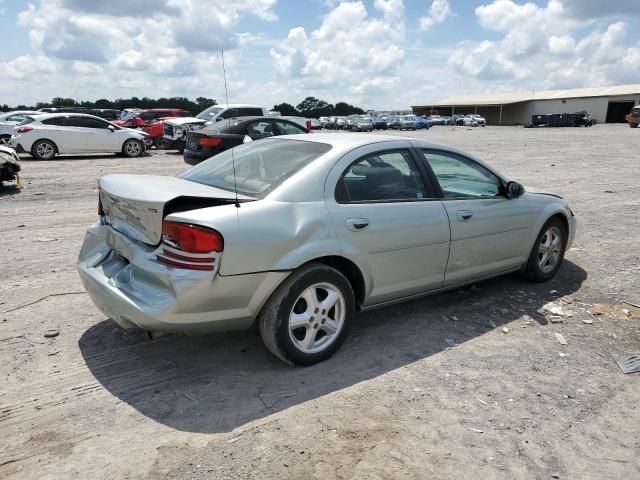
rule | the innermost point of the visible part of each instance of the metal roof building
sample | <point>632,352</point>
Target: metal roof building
<point>605,104</point>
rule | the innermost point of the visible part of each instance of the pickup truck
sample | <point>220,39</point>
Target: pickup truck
<point>151,122</point>
<point>634,117</point>
<point>9,166</point>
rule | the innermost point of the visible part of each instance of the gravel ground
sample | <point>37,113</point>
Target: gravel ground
<point>433,388</point>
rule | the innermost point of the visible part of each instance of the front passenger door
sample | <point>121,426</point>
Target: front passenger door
<point>489,232</point>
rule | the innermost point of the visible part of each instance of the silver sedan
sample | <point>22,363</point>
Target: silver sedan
<point>298,233</point>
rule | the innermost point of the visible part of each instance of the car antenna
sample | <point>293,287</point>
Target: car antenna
<point>233,159</point>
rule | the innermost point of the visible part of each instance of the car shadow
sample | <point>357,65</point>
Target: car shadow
<point>216,383</point>
<point>9,189</point>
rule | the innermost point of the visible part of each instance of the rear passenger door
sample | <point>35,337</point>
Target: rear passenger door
<point>67,133</point>
<point>387,217</point>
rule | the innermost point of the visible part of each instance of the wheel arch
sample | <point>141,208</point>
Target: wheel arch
<point>350,270</point>
<point>55,145</point>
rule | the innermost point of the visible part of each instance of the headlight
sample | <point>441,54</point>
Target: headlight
<point>178,131</point>
<point>7,157</point>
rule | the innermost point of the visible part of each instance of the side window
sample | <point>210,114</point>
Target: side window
<point>16,118</point>
<point>259,129</point>
<point>73,122</point>
<point>95,123</point>
<point>57,121</point>
<point>287,128</point>
<point>381,177</point>
<point>461,177</point>
<point>250,112</point>
<point>147,116</point>
<point>231,113</point>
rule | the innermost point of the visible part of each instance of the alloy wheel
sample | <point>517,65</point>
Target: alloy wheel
<point>550,249</point>
<point>133,148</point>
<point>317,318</point>
<point>45,150</point>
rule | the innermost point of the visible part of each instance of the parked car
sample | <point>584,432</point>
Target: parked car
<point>151,121</point>
<point>469,121</point>
<point>9,120</point>
<point>323,121</point>
<point>404,122</point>
<point>341,123</point>
<point>175,130</point>
<point>316,124</point>
<point>9,166</point>
<point>422,122</point>
<point>361,124</point>
<point>46,135</point>
<point>437,120</point>
<point>297,233</point>
<point>220,136</point>
<point>380,123</point>
<point>106,113</point>
<point>480,120</point>
<point>634,117</point>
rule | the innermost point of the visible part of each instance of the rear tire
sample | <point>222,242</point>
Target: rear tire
<point>548,251</point>
<point>43,150</point>
<point>132,148</point>
<point>293,323</point>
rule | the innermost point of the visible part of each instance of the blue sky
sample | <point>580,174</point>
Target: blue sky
<point>374,53</point>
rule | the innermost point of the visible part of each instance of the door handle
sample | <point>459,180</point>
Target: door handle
<point>464,215</point>
<point>357,224</point>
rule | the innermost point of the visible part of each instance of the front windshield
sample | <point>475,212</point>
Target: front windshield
<point>259,166</point>
<point>209,113</point>
<point>129,115</point>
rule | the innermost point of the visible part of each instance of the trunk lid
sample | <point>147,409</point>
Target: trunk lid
<point>135,205</point>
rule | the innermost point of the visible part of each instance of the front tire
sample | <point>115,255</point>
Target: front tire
<point>547,252</point>
<point>4,140</point>
<point>307,318</point>
<point>161,143</point>
<point>43,150</point>
<point>133,148</point>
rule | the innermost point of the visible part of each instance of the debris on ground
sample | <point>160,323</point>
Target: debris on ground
<point>51,333</point>
<point>450,342</point>
<point>491,323</point>
<point>600,309</point>
<point>560,338</point>
<point>629,364</point>
<point>588,321</point>
<point>505,330</point>
<point>554,310</point>
<point>553,292</point>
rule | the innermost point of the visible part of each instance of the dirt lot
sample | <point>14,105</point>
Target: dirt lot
<point>413,393</point>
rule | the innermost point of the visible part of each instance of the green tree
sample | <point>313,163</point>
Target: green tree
<point>205,103</point>
<point>313,107</point>
<point>343,109</point>
<point>63,102</point>
<point>286,109</point>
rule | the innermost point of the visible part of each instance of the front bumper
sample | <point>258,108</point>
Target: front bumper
<point>127,284</point>
<point>194,157</point>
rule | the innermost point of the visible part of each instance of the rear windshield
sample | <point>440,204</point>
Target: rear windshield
<point>259,166</point>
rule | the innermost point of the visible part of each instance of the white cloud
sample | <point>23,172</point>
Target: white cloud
<point>543,46</point>
<point>26,66</point>
<point>439,11</point>
<point>353,53</point>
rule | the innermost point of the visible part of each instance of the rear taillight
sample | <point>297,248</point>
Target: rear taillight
<point>189,246</point>
<point>209,141</point>
<point>24,129</point>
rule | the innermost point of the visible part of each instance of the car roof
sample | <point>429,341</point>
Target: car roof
<point>236,105</point>
<point>45,116</point>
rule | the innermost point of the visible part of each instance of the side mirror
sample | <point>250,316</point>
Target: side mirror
<point>514,190</point>
<point>112,128</point>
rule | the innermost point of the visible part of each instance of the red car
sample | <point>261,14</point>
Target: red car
<point>150,121</point>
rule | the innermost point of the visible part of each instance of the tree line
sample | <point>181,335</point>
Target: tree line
<point>309,107</point>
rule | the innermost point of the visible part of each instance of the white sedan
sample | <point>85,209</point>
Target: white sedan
<point>45,135</point>
<point>9,120</point>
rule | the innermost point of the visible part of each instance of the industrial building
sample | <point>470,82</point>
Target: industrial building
<point>605,104</point>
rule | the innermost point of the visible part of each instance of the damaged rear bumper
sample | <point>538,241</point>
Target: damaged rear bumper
<point>128,285</point>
